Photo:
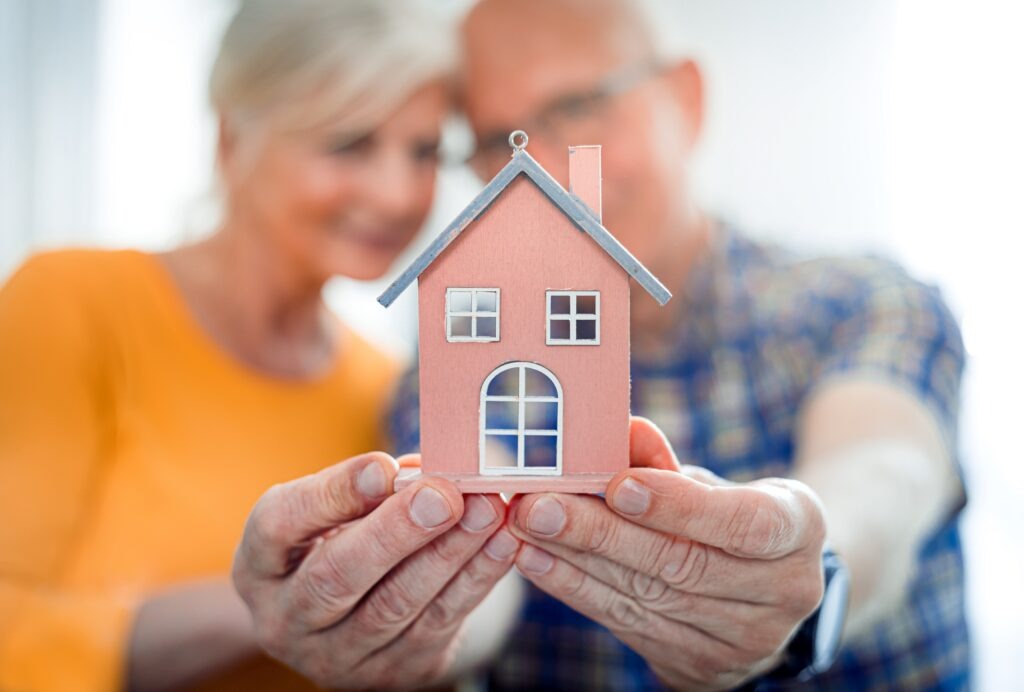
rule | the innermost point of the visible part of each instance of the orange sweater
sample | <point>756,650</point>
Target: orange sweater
<point>131,451</point>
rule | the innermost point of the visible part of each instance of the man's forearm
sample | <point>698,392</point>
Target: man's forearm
<point>882,498</point>
<point>875,456</point>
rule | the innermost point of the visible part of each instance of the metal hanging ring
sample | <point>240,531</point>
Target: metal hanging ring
<point>518,140</point>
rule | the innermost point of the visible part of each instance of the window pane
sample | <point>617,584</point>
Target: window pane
<point>559,329</point>
<point>502,415</point>
<point>586,305</point>
<point>559,305</point>
<point>541,415</point>
<point>501,451</point>
<point>541,451</point>
<point>505,383</point>
<point>586,330</point>
<point>460,301</point>
<point>487,327</point>
<point>486,301</point>
<point>539,384</point>
<point>461,326</point>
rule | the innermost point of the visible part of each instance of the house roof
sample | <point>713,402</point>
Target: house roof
<point>578,212</point>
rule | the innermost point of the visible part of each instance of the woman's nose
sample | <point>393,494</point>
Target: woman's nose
<point>394,183</point>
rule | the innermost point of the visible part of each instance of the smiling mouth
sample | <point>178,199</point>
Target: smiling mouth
<point>376,240</point>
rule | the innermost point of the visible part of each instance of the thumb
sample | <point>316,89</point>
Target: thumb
<point>648,446</point>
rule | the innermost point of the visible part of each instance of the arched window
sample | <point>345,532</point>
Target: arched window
<point>521,421</point>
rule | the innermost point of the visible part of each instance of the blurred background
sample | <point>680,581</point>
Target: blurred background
<point>892,127</point>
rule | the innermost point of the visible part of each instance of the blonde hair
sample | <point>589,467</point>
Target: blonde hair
<point>304,63</point>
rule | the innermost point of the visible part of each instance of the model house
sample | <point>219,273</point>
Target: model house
<point>524,335</point>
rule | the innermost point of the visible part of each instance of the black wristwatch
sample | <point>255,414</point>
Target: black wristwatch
<point>814,648</point>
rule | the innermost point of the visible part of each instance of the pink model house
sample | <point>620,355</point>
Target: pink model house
<point>524,335</point>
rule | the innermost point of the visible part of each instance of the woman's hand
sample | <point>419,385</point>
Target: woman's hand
<point>355,586</point>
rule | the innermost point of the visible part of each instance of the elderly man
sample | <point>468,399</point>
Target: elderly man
<point>842,374</point>
<point>812,402</point>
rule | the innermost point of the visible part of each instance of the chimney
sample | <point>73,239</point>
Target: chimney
<point>585,176</point>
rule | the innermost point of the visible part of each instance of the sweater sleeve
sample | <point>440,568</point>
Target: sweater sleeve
<point>55,417</point>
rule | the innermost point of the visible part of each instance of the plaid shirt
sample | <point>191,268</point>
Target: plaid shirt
<point>758,330</point>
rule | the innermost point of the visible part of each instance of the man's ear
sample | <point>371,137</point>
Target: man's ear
<point>686,83</point>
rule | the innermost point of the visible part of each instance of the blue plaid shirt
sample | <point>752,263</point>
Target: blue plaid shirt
<point>758,330</point>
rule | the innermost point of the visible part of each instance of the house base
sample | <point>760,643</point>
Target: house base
<point>588,483</point>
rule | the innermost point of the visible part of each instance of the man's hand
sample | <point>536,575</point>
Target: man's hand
<point>706,580</point>
<point>357,587</point>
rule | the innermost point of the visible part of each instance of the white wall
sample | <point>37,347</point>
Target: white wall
<point>871,125</point>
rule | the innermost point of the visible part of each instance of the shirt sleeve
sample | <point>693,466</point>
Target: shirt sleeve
<point>895,328</point>
<point>54,421</point>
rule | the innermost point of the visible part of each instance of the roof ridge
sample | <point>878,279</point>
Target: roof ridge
<point>570,205</point>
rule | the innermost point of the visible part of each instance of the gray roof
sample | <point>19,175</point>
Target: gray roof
<point>578,212</point>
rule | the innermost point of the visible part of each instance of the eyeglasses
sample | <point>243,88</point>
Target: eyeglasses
<point>578,115</point>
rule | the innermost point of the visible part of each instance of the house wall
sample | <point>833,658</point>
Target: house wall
<point>525,245</point>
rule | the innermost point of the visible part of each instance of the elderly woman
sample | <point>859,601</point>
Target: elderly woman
<point>148,400</point>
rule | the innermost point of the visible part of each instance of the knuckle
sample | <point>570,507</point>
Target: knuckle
<point>645,587</point>
<point>686,564</point>
<point>446,550</point>
<point>625,613</point>
<point>601,534</point>
<point>389,605</point>
<point>759,526</point>
<point>575,588</point>
<point>326,583</point>
<point>439,616</point>
<point>477,577</point>
<point>335,494</point>
<point>662,552</point>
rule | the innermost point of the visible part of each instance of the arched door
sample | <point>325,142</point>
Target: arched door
<point>521,421</point>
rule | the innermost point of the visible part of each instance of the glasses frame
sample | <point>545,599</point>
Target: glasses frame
<point>490,146</point>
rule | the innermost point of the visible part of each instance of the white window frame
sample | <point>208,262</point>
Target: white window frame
<point>521,432</point>
<point>573,318</point>
<point>472,314</point>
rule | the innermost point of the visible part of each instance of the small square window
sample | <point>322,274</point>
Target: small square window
<point>574,318</point>
<point>472,314</point>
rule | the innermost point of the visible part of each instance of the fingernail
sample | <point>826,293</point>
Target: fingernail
<point>428,508</point>
<point>501,546</point>
<point>535,560</point>
<point>372,481</point>
<point>546,517</point>
<point>479,514</point>
<point>631,497</point>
